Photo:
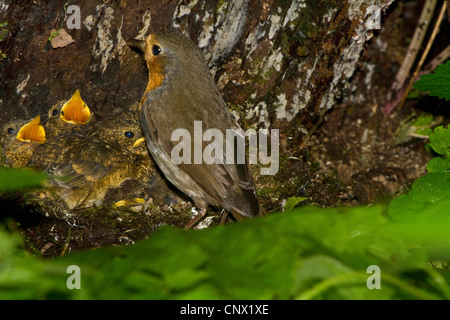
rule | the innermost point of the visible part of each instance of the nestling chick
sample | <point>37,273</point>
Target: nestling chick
<point>67,113</point>
<point>86,162</point>
<point>19,138</point>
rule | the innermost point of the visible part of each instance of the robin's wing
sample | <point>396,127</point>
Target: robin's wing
<point>76,175</point>
<point>230,184</point>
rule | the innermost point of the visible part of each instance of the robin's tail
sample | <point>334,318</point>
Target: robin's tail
<point>247,206</point>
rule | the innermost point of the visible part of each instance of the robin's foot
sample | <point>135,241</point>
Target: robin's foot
<point>224,217</point>
<point>196,219</point>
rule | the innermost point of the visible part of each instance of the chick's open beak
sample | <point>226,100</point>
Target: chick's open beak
<point>75,111</point>
<point>32,131</point>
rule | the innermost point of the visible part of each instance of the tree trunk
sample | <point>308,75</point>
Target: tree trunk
<point>279,64</point>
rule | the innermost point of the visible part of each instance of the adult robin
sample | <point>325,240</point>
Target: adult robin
<point>180,91</point>
<point>66,113</point>
<point>19,138</point>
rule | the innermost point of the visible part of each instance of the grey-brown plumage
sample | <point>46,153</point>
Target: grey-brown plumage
<point>180,91</point>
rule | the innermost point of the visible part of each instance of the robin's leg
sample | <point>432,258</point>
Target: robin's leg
<point>224,217</point>
<point>196,219</point>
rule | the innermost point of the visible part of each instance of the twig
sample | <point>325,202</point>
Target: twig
<point>440,58</point>
<point>414,47</point>
<point>425,52</point>
<point>448,10</point>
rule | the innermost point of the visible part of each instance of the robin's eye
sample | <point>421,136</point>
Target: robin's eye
<point>55,112</point>
<point>129,134</point>
<point>156,50</point>
<point>11,131</point>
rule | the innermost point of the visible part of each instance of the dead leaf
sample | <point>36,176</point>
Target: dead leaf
<point>60,38</point>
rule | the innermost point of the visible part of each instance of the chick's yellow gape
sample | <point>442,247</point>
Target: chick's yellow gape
<point>67,113</point>
<point>32,131</point>
<point>75,111</point>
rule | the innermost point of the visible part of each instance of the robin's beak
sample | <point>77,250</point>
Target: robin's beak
<point>32,131</point>
<point>138,44</point>
<point>75,111</point>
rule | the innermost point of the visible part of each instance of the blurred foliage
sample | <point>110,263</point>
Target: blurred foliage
<point>11,180</point>
<point>430,190</point>
<point>303,253</point>
<point>307,253</point>
<point>423,124</point>
<point>416,127</point>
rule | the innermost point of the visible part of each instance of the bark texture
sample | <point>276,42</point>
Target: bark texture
<point>279,64</point>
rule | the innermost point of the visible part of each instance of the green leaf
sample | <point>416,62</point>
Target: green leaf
<point>437,83</point>
<point>423,124</point>
<point>405,208</point>
<point>440,141</point>
<point>15,179</point>
<point>438,164</point>
<point>292,202</point>
<point>423,120</point>
<point>317,269</point>
<point>433,187</point>
<point>309,253</point>
<point>413,94</point>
